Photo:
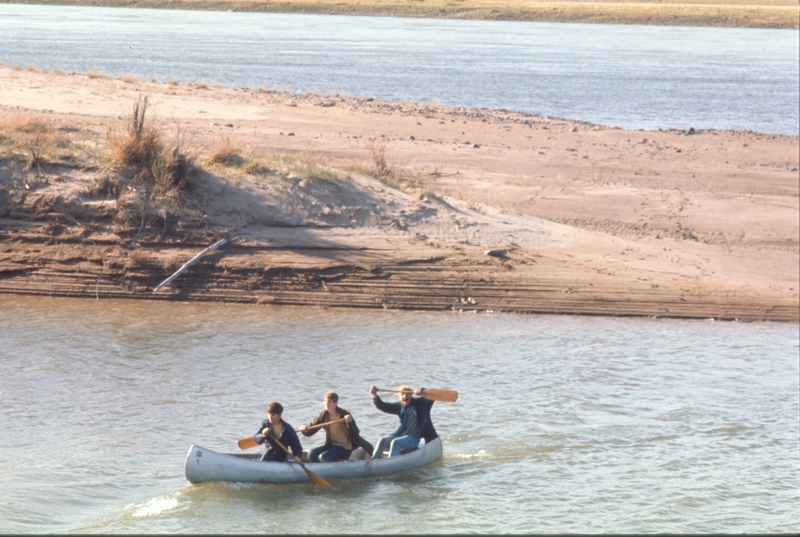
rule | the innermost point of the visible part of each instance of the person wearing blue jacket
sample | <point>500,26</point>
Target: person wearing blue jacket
<point>274,427</point>
<point>415,421</point>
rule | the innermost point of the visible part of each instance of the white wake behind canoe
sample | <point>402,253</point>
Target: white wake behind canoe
<point>203,465</point>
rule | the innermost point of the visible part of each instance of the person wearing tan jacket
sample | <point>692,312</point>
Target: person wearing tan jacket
<point>340,438</point>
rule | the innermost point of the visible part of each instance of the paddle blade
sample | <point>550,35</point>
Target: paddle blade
<point>446,396</point>
<point>247,443</point>
<point>317,480</point>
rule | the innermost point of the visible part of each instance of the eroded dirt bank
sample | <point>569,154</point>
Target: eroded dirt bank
<point>335,202</point>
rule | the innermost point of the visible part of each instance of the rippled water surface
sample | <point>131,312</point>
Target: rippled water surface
<point>631,76</point>
<point>563,424</point>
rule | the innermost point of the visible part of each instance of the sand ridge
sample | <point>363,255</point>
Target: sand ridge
<point>589,219</point>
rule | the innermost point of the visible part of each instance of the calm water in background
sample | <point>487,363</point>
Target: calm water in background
<point>644,77</point>
<point>563,424</point>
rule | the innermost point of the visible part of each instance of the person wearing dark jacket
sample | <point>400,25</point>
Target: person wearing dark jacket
<point>274,427</point>
<point>340,438</point>
<point>415,421</point>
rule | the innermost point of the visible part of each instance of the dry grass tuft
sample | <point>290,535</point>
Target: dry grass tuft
<point>35,160</point>
<point>105,186</point>
<point>382,167</point>
<point>258,168</point>
<point>380,164</point>
<point>33,134</point>
<point>225,153</point>
<point>25,123</point>
<point>132,208</point>
<point>475,205</point>
<point>172,171</point>
<point>313,171</point>
<point>155,189</point>
<point>139,146</point>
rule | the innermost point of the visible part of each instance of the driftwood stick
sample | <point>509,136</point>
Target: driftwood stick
<point>194,260</point>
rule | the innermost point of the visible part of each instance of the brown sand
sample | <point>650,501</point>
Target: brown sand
<point>592,220</point>
<point>730,13</point>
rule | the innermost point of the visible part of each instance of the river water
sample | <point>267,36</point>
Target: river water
<point>643,77</point>
<point>563,424</point>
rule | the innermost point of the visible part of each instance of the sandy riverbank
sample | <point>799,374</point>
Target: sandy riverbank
<point>358,203</point>
<point>730,13</point>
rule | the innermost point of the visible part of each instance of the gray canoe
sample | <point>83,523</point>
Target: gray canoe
<point>204,465</point>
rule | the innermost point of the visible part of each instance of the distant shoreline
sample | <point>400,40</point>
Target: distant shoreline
<point>777,14</point>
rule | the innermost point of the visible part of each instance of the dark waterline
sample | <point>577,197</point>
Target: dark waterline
<point>642,77</point>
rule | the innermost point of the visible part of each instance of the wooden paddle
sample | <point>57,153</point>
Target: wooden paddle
<point>317,480</point>
<point>324,424</point>
<point>432,394</point>
<point>247,443</point>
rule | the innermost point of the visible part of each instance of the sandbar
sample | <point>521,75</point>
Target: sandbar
<point>473,211</point>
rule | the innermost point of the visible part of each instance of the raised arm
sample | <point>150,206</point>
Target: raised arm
<point>428,402</point>
<point>383,406</point>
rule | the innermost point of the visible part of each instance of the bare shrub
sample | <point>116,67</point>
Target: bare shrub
<point>172,171</point>
<point>154,190</point>
<point>224,153</point>
<point>35,159</point>
<point>380,163</point>
<point>382,167</point>
<point>140,145</point>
